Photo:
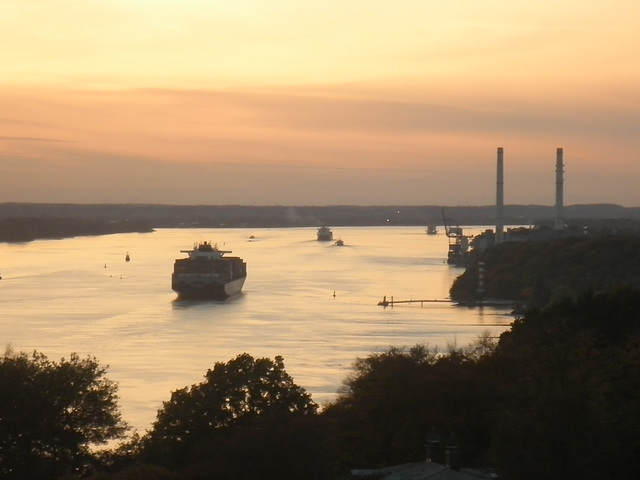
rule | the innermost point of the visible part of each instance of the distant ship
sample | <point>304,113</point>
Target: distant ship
<point>325,234</point>
<point>207,274</point>
<point>432,230</point>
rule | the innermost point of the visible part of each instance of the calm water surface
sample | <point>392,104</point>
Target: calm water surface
<point>313,303</point>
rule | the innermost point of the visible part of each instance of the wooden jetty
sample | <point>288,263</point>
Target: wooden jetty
<point>484,302</point>
<point>390,303</point>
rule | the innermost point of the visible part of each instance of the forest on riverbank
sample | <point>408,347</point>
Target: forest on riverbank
<point>536,273</point>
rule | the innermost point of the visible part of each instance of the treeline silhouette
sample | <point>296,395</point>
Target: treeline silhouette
<point>555,397</point>
<point>26,229</point>
<point>273,216</point>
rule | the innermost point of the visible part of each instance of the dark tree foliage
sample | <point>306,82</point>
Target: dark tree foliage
<point>570,390</point>
<point>134,472</point>
<point>538,273</point>
<point>557,398</point>
<point>51,413</point>
<point>394,401</point>
<point>248,419</point>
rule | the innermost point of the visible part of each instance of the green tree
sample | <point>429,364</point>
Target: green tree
<point>376,420</point>
<point>248,419</point>
<point>392,401</point>
<point>569,405</point>
<point>52,413</point>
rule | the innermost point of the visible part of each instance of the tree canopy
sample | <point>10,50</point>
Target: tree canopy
<point>568,403</point>
<point>556,398</point>
<point>51,413</point>
<point>248,418</point>
<point>393,401</point>
<point>540,273</point>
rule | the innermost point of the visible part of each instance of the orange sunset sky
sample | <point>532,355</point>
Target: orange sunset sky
<point>318,102</point>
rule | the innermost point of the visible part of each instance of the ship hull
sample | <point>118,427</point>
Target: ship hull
<point>202,290</point>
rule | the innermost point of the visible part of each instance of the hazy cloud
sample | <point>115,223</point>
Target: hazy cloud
<point>317,102</point>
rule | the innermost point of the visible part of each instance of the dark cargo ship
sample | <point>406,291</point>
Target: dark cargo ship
<point>207,274</point>
<point>325,234</point>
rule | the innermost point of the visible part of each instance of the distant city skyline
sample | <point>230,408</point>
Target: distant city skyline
<point>318,103</point>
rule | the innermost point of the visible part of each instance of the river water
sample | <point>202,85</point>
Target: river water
<point>313,303</point>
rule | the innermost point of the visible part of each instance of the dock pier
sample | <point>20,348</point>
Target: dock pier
<point>390,303</point>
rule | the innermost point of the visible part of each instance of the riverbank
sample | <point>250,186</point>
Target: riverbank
<point>28,229</point>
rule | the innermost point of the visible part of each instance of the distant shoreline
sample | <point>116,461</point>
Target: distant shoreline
<point>28,229</point>
<point>282,215</point>
<point>23,222</point>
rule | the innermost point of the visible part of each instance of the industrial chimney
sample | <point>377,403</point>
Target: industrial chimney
<point>559,223</point>
<point>500,197</point>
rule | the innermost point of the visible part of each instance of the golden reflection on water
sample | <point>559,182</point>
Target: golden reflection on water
<point>311,302</point>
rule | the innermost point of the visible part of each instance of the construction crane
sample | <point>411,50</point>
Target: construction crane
<point>458,243</point>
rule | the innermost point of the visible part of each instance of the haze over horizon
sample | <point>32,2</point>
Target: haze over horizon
<point>318,102</point>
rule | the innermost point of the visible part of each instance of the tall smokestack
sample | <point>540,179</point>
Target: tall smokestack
<point>559,223</point>
<point>500,197</point>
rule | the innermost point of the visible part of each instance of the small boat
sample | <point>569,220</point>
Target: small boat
<point>127,257</point>
<point>432,230</point>
<point>339,243</point>
<point>208,274</point>
<point>325,234</point>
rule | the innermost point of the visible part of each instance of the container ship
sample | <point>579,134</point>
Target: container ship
<point>325,234</point>
<point>208,274</point>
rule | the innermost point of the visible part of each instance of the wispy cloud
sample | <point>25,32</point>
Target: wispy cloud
<point>30,139</point>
